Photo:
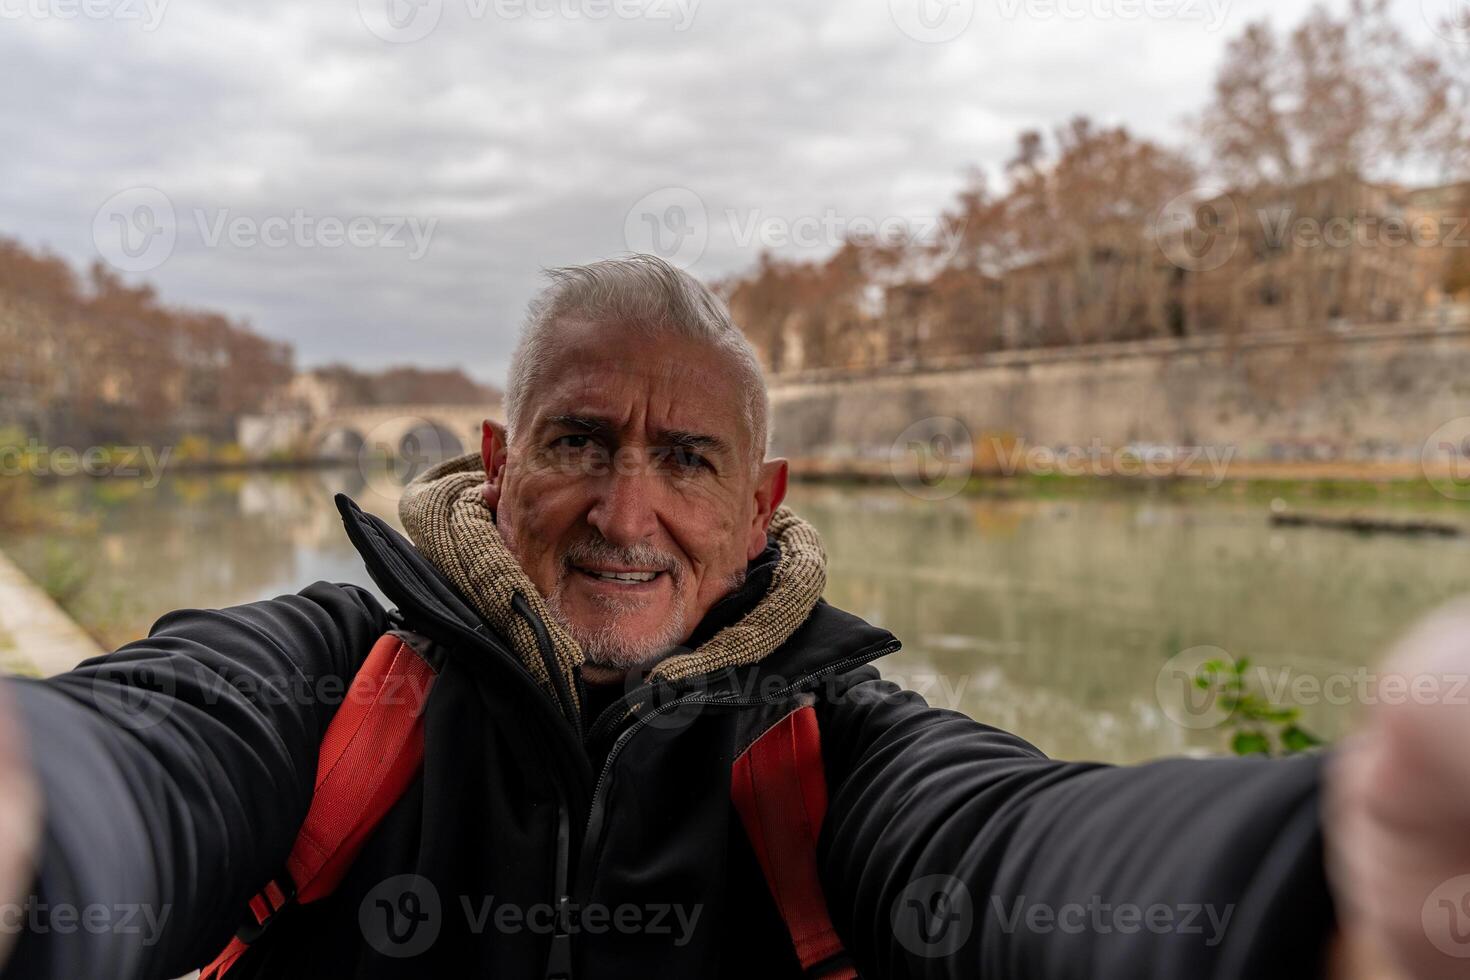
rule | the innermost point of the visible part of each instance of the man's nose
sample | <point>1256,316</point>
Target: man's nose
<point>624,509</point>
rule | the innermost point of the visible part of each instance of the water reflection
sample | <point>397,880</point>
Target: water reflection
<point>1053,618</point>
<point>193,541</point>
<point>1049,618</point>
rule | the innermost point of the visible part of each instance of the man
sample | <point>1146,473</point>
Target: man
<point>615,601</point>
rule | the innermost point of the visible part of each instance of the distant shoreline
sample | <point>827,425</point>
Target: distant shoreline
<point>1263,480</point>
<point>1345,480</point>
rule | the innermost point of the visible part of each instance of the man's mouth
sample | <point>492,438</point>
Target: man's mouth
<point>621,577</point>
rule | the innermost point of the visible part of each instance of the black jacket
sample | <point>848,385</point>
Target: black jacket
<point>177,771</point>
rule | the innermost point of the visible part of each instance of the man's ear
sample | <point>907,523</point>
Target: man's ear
<point>492,454</point>
<point>770,490</point>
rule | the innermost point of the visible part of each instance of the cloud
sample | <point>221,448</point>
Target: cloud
<point>524,130</point>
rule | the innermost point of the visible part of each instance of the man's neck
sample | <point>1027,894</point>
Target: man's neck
<point>601,674</point>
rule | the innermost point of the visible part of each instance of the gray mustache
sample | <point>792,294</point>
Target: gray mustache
<point>601,551</point>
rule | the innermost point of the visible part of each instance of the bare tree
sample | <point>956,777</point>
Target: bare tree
<point>1346,95</point>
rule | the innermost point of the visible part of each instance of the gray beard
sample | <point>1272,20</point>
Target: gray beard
<point>608,645</point>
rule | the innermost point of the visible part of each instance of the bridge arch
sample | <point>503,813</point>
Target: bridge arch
<point>420,435</point>
<point>338,442</point>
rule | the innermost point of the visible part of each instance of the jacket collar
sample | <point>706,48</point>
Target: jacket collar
<point>774,630</point>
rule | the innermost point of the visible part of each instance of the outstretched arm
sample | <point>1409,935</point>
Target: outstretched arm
<point>960,851</point>
<point>174,774</point>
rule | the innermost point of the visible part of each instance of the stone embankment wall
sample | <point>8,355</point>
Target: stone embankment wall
<point>1369,394</point>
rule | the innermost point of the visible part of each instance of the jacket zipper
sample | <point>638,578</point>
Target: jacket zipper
<point>595,815</point>
<point>559,957</point>
<point>566,727</point>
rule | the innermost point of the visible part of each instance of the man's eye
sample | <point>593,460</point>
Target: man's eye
<point>688,459</point>
<point>575,441</point>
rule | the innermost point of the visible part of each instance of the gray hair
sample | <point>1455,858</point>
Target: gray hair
<point>645,292</point>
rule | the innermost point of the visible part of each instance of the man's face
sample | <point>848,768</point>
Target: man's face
<point>628,494</point>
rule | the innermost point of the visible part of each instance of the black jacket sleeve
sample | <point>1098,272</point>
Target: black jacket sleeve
<point>175,774</point>
<point>952,849</point>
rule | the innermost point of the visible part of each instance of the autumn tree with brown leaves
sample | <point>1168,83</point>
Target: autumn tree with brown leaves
<point>99,361</point>
<point>1065,248</point>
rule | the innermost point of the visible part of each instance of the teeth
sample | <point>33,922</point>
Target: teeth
<point>625,576</point>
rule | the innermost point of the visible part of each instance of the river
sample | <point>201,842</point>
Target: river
<point>1061,619</point>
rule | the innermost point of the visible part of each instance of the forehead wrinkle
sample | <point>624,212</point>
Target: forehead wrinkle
<point>662,392</point>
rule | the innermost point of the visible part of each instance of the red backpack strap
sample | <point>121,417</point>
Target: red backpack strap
<point>779,788</point>
<point>371,751</point>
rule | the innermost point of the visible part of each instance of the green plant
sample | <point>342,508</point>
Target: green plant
<point>1253,718</point>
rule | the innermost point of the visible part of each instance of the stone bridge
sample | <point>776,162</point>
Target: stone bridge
<point>412,432</point>
<point>404,431</point>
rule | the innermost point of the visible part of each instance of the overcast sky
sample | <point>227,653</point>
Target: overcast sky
<point>381,184</point>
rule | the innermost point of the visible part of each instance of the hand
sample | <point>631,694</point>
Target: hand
<point>20,822</point>
<point>1398,809</point>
